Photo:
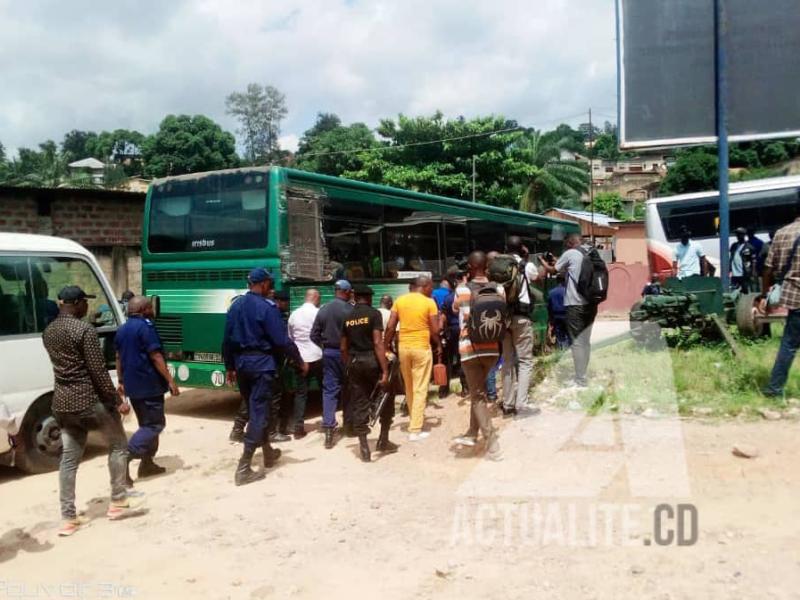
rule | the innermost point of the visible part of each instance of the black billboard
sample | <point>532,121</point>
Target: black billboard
<point>666,70</point>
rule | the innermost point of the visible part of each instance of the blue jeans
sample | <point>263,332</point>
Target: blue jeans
<point>150,414</point>
<point>332,378</point>
<point>256,387</point>
<point>790,342</point>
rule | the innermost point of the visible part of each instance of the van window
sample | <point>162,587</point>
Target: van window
<point>17,315</point>
<point>50,274</point>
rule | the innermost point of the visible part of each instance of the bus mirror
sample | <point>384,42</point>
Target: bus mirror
<point>156,301</point>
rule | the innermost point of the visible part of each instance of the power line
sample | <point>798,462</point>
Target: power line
<point>442,140</point>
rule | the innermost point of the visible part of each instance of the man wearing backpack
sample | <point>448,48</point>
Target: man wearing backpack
<point>483,317</point>
<point>518,342</point>
<point>587,286</point>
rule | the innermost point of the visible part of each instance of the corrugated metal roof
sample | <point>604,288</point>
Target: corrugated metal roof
<point>87,163</point>
<point>585,215</point>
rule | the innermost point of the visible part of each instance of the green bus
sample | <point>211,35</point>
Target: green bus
<point>204,232</point>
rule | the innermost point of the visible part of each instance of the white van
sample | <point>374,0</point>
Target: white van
<point>33,268</point>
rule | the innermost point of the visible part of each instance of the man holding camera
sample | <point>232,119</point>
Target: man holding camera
<point>518,342</point>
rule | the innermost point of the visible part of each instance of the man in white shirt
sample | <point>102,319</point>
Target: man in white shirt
<point>518,341</point>
<point>386,309</point>
<point>689,257</point>
<point>300,323</point>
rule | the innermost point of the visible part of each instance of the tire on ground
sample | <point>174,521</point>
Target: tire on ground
<point>745,316</point>
<point>40,439</point>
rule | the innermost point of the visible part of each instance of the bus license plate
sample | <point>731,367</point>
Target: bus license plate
<point>211,357</point>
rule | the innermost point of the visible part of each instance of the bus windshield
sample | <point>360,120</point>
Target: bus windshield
<point>217,211</point>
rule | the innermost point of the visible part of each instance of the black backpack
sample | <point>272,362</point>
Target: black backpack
<point>488,315</point>
<point>592,282</point>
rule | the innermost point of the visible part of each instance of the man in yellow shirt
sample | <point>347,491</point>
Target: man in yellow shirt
<point>418,316</point>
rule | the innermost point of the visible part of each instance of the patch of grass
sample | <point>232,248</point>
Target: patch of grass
<point>675,380</point>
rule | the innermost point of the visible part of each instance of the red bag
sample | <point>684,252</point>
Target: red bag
<point>440,375</point>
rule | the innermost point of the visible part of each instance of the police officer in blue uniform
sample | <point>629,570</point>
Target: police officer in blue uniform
<point>254,331</point>
<point>144,378</point>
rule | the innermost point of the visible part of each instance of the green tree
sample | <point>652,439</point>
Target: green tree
<point>259,111</point>
<point>2,153</point>
<point>188,144</point>
<point>76,143</point>
<point>694,171</point>
<point>330,148</point>
<point>775,153</point>
<point>549,181</point>
<point>413,155</point>
<point>606,147</point>
<point>610,204</point>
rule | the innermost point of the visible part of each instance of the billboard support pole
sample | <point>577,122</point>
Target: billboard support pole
<point>721,101</point>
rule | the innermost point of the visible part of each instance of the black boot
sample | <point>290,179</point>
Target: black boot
<point>363,447</point>
<point>244,474</point>
<point>237,434</point>
<point>384,445</point>
<point>270,454</point>
<point>148,468</point>
<point>329,431</point>
<point>299,432</point>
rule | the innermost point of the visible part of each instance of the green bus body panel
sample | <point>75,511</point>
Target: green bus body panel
<point>196,288</point>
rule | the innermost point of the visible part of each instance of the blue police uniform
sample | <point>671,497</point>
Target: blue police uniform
<point>254,330</point>
<point>135,341</point>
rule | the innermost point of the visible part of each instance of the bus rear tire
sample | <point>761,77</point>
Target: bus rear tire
<point>40,437</point>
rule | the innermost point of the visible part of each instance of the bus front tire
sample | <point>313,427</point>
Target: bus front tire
<point>39,438</point>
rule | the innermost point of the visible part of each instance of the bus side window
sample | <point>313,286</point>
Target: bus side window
<point>50,274</point>
<point>17,314</point>
<point>411,241</point>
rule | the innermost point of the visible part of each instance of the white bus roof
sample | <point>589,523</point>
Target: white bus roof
<point>741,187</point>
<point>27,242</point>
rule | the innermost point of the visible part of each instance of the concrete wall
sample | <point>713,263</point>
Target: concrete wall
<point>631,243</point>
<point>108,223</point>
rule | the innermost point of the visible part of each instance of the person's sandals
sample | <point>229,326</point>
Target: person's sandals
<point>120,509</point>
<point>70,526</point>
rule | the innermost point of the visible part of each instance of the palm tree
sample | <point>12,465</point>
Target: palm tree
<point>549,180</point>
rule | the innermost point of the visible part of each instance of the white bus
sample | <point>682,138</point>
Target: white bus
<point>33,269</point>
<point>763,204</point>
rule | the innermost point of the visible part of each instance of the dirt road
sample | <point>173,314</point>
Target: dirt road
<point>430,521</point>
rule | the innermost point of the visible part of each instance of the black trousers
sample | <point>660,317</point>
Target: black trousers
<point>363,374</point>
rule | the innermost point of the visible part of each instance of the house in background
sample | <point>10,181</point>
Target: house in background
<point>92,166</point>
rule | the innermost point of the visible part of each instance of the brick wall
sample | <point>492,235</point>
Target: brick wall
<point>100,220</point>
<point>19,215</point>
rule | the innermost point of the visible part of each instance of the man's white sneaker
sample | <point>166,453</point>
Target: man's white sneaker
<point>465,440</point>
<point>418,437</point>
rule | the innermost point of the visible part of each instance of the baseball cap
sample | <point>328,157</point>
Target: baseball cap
<point>740,230</point>
<point>72,294</point>
<point>362,289</point>
<point>343,285</point>
<point>258,275</point>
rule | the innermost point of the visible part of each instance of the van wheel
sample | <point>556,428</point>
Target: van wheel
<point>40,437</point>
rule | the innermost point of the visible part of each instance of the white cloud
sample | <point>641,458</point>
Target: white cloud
<point>69,65</point>
<point>289,142</point>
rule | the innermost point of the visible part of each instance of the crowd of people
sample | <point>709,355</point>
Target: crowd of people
<point>475,325</point>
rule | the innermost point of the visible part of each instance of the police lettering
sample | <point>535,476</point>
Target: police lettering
<point>354,322</point>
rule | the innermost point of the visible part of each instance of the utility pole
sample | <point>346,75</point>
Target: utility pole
<point>474,177</point>
<point>591,173</point>
<point>721,101</point>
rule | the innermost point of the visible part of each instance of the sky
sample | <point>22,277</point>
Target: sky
<point>129,63</point>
